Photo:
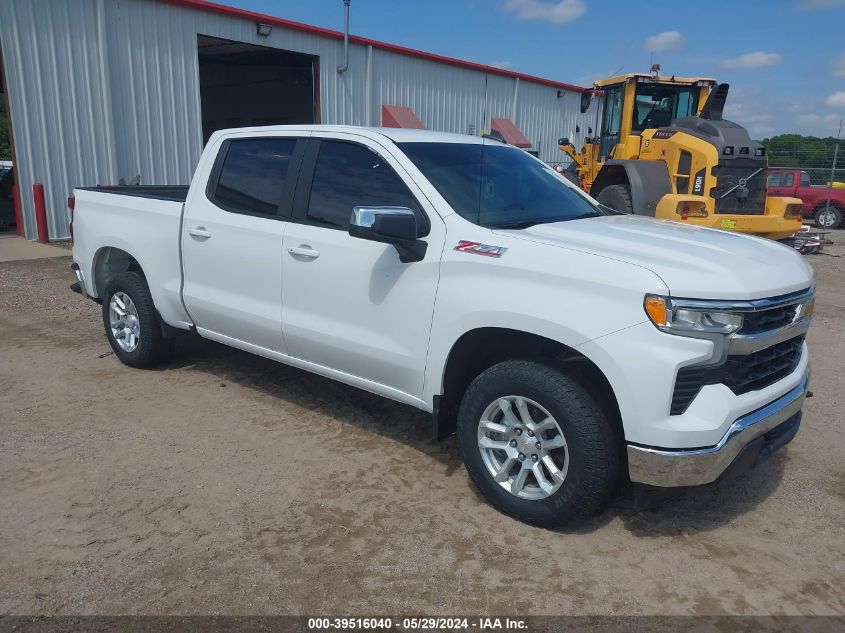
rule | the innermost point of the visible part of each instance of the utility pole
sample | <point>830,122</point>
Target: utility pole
<point>833,169</point>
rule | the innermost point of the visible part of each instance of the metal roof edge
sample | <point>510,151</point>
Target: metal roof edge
<point>223,9</point>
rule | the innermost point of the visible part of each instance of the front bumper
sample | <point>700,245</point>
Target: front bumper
<point>692,467</point>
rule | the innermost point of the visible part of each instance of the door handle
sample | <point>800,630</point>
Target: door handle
<point>303,250</point>
<point>199,231</point>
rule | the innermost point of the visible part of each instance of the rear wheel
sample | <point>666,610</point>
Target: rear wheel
<point>536,444</point>
<point>829,218</point>
<point>132,325</point>
<point>617,197</point>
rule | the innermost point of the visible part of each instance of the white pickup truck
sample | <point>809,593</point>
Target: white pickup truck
<point>572,349</point>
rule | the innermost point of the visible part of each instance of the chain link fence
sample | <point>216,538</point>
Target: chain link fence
<point>817,176</point>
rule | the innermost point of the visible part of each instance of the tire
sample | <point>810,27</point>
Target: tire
<point>617,197</point>
<point>150,346</point>
<point>590,462</point>
<point>829,220</point>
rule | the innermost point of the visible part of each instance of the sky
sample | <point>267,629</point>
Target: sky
<point>784,59</point>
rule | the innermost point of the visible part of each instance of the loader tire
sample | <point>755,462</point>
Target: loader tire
<point>617,197</point>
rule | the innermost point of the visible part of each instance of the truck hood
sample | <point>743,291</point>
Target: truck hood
<point>694,262</point>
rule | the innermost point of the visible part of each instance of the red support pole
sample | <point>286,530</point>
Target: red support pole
<point>40,213</point>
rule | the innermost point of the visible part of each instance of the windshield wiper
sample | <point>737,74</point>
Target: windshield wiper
<point>583,216</point>
<point>524,224</point>
<point>519,224</point>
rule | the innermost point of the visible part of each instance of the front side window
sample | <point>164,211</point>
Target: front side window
<point>497,185</point>
<point>657,105</point>
<point>348,175</point>
<point>253,174</point>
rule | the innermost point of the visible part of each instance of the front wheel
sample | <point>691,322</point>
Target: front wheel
<point>829,218</point>
<point>617,197</point>
<point>537,445</point>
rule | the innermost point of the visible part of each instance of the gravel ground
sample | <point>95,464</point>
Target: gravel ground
<point>225,483</point>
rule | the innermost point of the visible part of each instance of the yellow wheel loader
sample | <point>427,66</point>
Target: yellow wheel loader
<point>662,149</point>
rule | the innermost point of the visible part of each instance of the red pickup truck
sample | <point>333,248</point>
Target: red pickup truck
<point>796,183</point>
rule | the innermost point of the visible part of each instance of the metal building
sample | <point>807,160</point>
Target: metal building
<point>103,91</point>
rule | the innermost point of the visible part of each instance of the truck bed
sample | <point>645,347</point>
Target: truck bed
<point>173,193</point>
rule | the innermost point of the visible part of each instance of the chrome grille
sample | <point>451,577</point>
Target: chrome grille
<point>765,320</point>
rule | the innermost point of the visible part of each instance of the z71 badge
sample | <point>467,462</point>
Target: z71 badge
<point>477,248</point>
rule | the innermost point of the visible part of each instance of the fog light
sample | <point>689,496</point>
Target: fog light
<point>691,210</point>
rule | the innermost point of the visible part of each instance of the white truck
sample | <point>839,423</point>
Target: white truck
<point>573,350</point>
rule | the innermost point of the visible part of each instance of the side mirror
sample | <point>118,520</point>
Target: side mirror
<point>390,225</point>
<point>585,101</point>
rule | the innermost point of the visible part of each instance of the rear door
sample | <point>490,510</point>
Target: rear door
<point>349,304</point>
<point>232,239</point>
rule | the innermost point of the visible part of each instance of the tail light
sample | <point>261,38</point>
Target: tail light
<point>793,212</point>
<point>71,205</point>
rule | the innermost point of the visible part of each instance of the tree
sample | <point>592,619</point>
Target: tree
<point>794,150</point>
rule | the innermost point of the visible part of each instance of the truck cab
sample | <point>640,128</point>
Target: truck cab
<point>824,203</point>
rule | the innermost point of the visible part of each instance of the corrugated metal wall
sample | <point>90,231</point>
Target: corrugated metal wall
<point>56,99</point>
<point>106,89</point>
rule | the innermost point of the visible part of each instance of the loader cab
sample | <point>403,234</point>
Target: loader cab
<point>637,102</point>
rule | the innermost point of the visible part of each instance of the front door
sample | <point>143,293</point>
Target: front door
<point>611,121</point>
<point>349,304</point>
<point>232,240</point>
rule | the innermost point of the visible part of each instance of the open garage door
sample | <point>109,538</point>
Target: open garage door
<point>244,84</point>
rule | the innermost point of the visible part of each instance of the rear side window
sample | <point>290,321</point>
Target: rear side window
<point>253,174</point>
<point>348,175</point>
<point>784,179</point>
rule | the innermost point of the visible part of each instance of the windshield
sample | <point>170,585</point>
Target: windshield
<point>498,185</point>
<point>656,105</point>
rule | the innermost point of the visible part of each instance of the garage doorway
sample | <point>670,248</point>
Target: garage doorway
<point>11,218</point>
<point>244,84</point>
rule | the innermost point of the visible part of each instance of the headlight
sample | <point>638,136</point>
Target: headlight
<point>691,209</point>
<point>678,320</point>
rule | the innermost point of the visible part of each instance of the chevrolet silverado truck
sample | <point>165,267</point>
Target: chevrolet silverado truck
<point>573,351</point>
<point>825,205</point>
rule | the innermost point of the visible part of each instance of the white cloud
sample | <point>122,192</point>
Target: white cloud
<point>821,4</point>
<point>836,100</point>
<point>665,41</point>
<point>752,60</point>
<point>837,66</point>
<point>558,11</point>
<point>501,64</point>
<point>816,119</point>
<point>760,123</point>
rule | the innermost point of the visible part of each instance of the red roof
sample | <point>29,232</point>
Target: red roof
<point>509,132</point>
<point>222,9</point>
<point>400,116</point>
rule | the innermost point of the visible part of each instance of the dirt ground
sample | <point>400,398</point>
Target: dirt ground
<point>225,483</point>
